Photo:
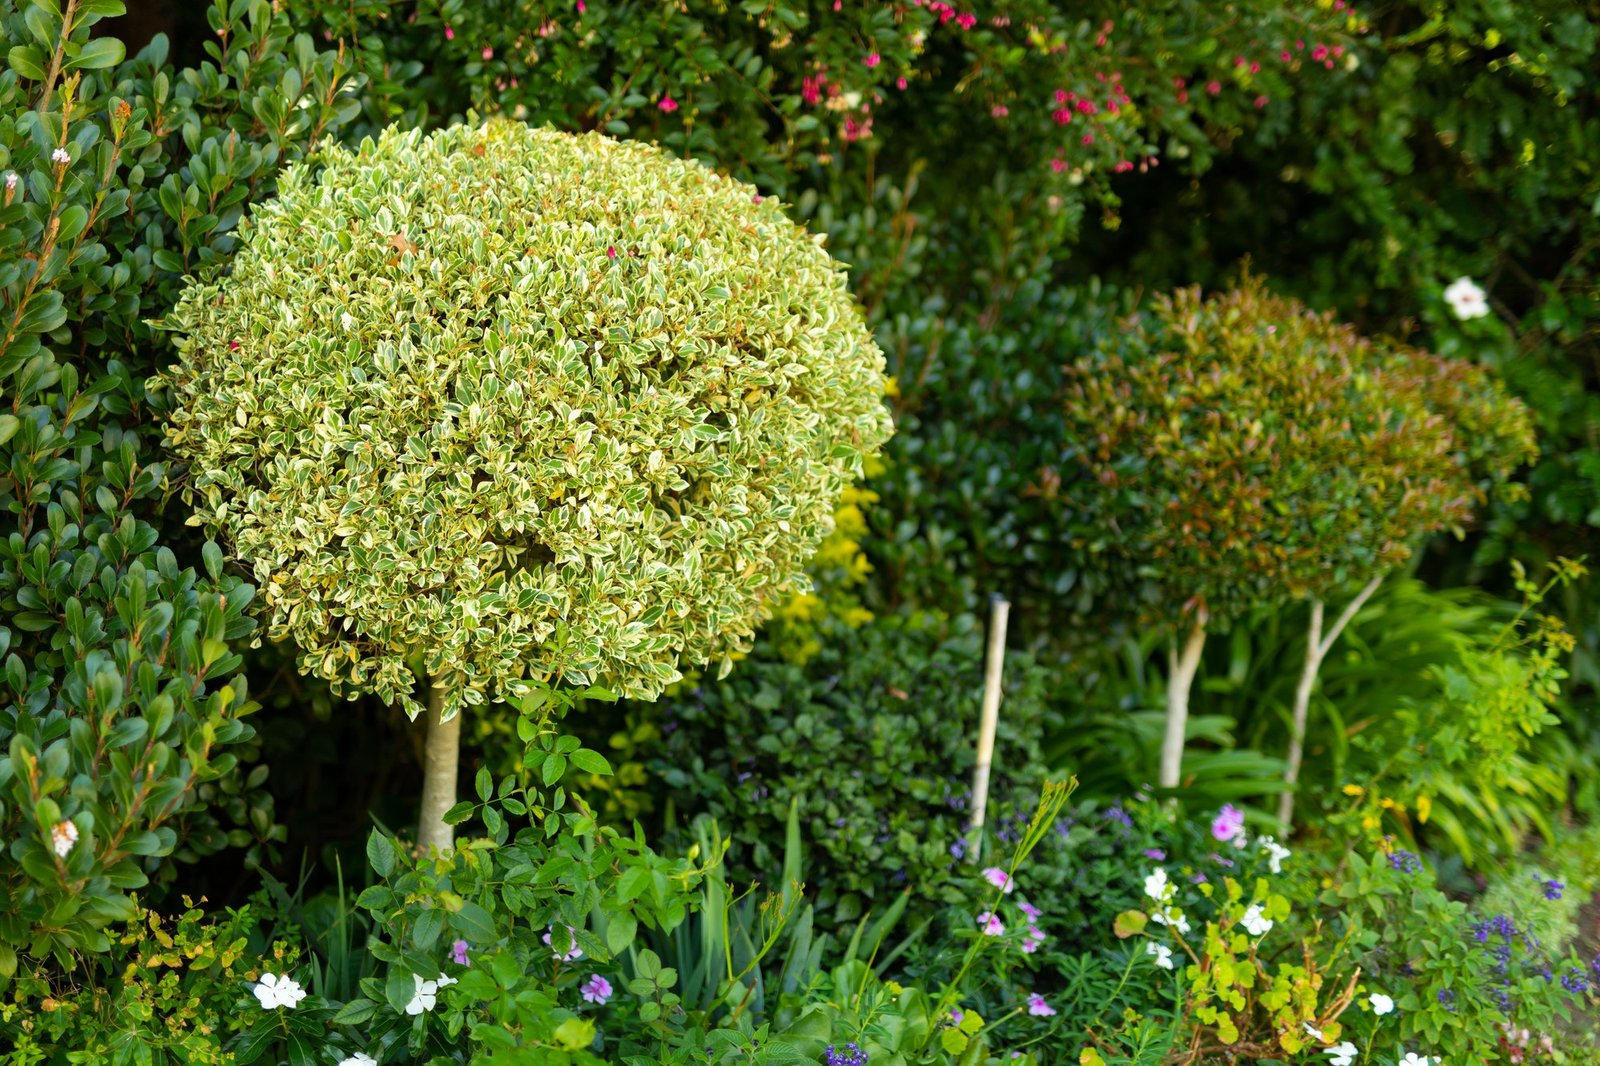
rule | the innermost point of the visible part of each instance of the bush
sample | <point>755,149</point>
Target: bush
<point>875,742</point>
<point>703,386</point>
<point>121,715</point>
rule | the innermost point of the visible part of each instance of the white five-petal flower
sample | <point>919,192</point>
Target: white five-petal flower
<point>426,997</point>
<point>1413,1059</point>
<point>1162,953</point>
<point>274,991</point>
<point>1157,887</point>
<point>1255,922</point>
<point>1341,1054</point>
<point>1276,853</point>
<point>1466,299</point>
<point>1380,1003</point>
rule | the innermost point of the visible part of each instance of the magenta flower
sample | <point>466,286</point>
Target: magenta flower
<point>458,952</point>
<point>1038,1007</point>
<point>990,924</point>
<point>449,34</point>
<point>487,53</point>
<point>571,951</point>
<point>1228,823</point>
<point>668,104</point>
<point>596,990</point>
<point>1030,910</point>
<point>873,60</point>
<point>999,879</point>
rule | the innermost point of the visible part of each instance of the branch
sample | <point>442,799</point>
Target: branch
<point>1347,614</point>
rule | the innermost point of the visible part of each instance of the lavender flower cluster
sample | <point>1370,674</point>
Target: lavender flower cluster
<point>852,1055</point>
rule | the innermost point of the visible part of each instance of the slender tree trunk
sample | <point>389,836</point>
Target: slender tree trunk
<point>1317,648</point>
<point>1181,668</point>
<point>441,759</point>
<point>1302,711</point>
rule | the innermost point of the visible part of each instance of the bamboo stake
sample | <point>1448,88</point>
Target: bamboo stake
<point>994,668</point>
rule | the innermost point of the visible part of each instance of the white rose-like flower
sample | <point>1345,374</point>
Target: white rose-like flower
<point>1162,953</point>
<point>1466,299</point>
<point>1255,922</point>
<point>1341,1054</point>
<point>1380,1003</point>
<point>274,991</point>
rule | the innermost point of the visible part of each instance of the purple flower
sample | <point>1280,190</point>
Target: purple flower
<point>959,849</point>
<point>1030,910</point>
<point>596,990</point>
<point>1406,862</point>
<point>1155,853</point>
<point>1552,889</point>
<point>990,925</point>
<point>1575,982</point>
<point>851,1056</point>
<point>571,951</point>
<point>1038,1007</point>
<point>1117,814</point>
<point>1228,823</point>
<point>458,952</point>
<point>1033,941</point>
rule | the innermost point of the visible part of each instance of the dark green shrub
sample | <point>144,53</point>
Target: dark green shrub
<point>121,718</point>
<point>875,740</point>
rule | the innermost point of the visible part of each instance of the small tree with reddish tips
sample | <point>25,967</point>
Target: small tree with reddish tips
<point>1242,451</point>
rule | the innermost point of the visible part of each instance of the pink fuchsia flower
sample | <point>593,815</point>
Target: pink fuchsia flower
<point>1319,53</point>
<point>1285,56</point>
<point>1088,138</point>
<point>1030,910</point>
<point>999,879</point>
<point>582,7</point>
<point>1061,115</point>
<point>596,990</point>
<point>1038,1007</point>
<point>668,104</point>
<point>1261,101</point>
<point>62,836</point>
<point>449,33</point>
<point>900,82</point>
<point>873,60</point>
<point>990,924</point>
<point>966,21</point>
<point>1228,823</point>
<point>999,111</point>
<point>611,253</point>
<point>1213,87</point>
<point>1058,164</point>
<point>458,952</point>
<point>811,89</point>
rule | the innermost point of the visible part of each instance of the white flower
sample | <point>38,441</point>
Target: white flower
<point>1162,953</point>
<point>274,991</point>
<point>1466,299</point>
<point>11,180</point>
<point>62,836</point>
<point>1341,1054</point>
<point>1380,1003</point>
<point>1312,1030</point>
<point>427,994</point>
<point>61,156</point>
<point>1413,1059</point>
<point>361,1059</point>
<point>1157,887</point>
<point>1255,922</point>
<point>1276,853</point>
<point>1171,916</point>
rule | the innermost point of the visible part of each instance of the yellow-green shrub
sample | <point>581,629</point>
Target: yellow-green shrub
<point>515,405</point>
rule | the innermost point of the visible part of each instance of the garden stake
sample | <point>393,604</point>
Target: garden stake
<point>999,608</point>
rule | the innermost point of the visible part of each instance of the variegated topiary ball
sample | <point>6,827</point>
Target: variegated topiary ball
<point>515,404</point>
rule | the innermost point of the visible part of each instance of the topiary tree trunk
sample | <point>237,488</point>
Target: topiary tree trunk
<point>440,764</point>
<point>1182,665</point>
<point>1317,647</point>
